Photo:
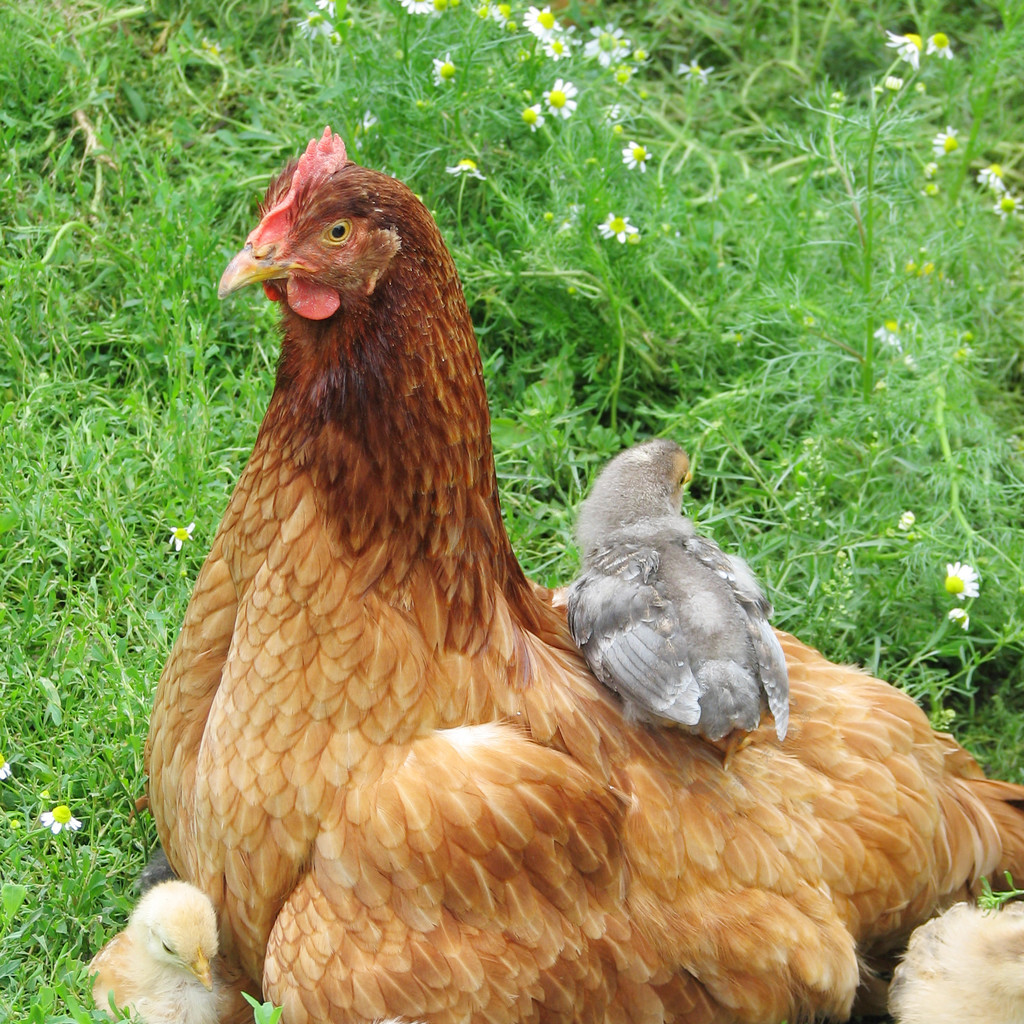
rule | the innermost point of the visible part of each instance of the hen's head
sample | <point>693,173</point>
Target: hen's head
<point>328,234</point>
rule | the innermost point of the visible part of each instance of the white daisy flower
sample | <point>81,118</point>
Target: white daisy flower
<point>939,45</point>
<point>960,617</point>
<point>180,534</point>
<point>888,334</point>
<point>609,45</point>
<point>907,520</point>
<point>961,580</point>
<point>694,72</point>
<point>466,168</point>
<point>501,13</point>
<point>533,117</point>
<point>908,47</point>
<point>314,25</point>
<point>635,155</point>
<point>557,48</point>
<point>327,6</point>
<point>992,177</point>
<point>59,818</point>
<point>1007,206</point>
<point>559,98</point>
<point>945,142</point>
<point>444,70</point>
<point>541,23</point>
<point>5,768</point>
<point>618,228</point>
<point>422,7</point>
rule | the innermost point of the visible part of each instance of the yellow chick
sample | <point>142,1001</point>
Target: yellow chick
<point>160,966</point>
<point>965,966</point>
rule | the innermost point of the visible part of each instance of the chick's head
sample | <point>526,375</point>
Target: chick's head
<point>177,924</point>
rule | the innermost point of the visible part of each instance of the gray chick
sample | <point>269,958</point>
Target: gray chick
<point>665,618</point>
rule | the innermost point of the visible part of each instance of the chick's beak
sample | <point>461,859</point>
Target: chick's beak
<point>201,969</point>
<point>248,268</point>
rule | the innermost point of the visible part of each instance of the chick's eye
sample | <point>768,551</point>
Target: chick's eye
<point>166,947</point>
<point>338,231</point>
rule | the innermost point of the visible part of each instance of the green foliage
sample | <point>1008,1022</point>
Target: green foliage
<point>783,219</point>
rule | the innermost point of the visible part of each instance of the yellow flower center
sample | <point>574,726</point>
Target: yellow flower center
<point>556,98</point>
<point>440,5</point>
<point>62,814</point>
<point>617,129</point>
<point>470,165</point>
<point>607,42</point>
<point>505,10</point>
<point>622,75</point>
<point>950,143</point>
<point>639,56</point>
<point>941,40</point>
<point>639,154</point>
<point>915,39</point>
<point>181,533</point>
<point>954,585</point>
<point>447,70</point>
<point>547,19</point>
<point>995,171</point>
<point>618,225</point>
<point>892,325</point>
<point>1008,204</point>
<point>530,115</point>
<point>557,46</point>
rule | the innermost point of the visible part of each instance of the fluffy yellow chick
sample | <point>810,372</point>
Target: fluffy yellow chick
<point>965,966</point>
<point>160,966</point>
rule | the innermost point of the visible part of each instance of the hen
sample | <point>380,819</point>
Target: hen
<point>965,966</point>
<point>376,747</point>
<point>678,628</point>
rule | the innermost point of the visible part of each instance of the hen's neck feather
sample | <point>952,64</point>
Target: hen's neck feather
<point>385,405</point>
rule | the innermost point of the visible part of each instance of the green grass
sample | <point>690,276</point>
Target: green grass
<point>780,225</point>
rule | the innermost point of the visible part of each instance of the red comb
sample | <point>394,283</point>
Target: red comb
<point>322,158</point>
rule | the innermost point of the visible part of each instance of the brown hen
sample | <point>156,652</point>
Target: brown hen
<point>376,747</point>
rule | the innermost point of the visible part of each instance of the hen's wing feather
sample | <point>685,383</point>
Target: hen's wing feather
<point>632,637</point>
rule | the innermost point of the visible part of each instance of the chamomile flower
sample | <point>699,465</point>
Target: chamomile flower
<point>907,520</point>
<point>180,534</point>
<point>422,7</point>
<point>635,155</point>
<point>502,14</point>
<point>5,768</point>
<point>893,83</point>
<point>960,617</point>
<point>888,334</point>
<point>466,168</point>
<point>931,169</point>
<point>327,6</point>
<point>961,580</point>
<point>608,45</point>
<point>541,23</point>
<point>618,228</point>
<point>59,818</point>
<point>559,98</point>
<point>694,72</point>
<point>908,47</point>
<point>533,117</point>
<point>992,177</point>
<point>444,70</point>
<point>557,47</point>
<point>314,25</point>
<point>939,45</point>
<point>1007,206</point>
<point>945,142</point>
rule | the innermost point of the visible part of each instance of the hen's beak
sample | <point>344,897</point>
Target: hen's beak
<point>248,268</point>
<point>201,969</point>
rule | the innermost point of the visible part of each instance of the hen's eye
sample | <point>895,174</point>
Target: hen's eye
<point>338,231</point>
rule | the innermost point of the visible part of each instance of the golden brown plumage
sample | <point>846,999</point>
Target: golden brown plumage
<point>376,746</point>
<point>161,965</point>
<point>964,967</point>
